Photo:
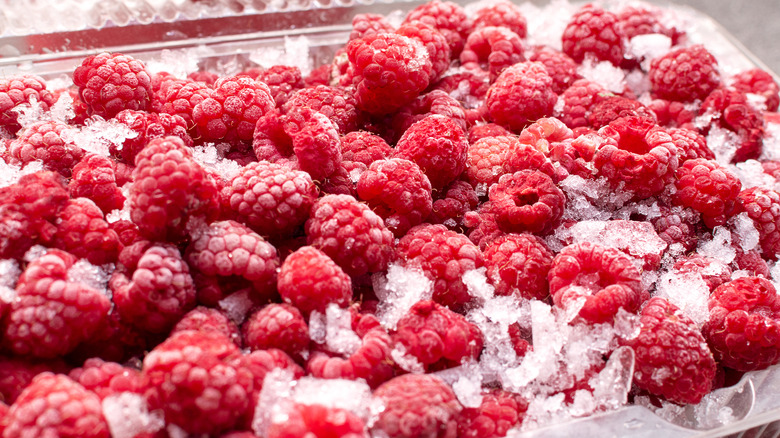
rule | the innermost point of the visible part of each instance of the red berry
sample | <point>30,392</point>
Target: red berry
<point>47,142</point>
<point>561,68</point>
<point>109,83</point>
<point>83,231</point>
<point>94,177</point>
<point>671,113</point>
<point>16,373</point>
<point>684,74</point>
<point>677,226</point>
<point>21,90</point>
<point>520,95</point>
<point>517,264</point>
<point>283,81</point>
<point>501,14</point>
<point>492,49</point>
<point>712,271</point>
<point>757,81</point>
<point>763,206</point>
<point>148,126</point>
<point>317,145</point>
<point>498,412</point>
<point>447,17</point>
<point>316,421</point>
<point>208,319</point>
<point>690,144</point>
<point>644,20</point>
<point>336,104</point>
<point>433,102</point>
<point>709,189</point>
<point>435,43</point>
<point>527,201</point>
<point>615,107</point>
<point>279,326</point>
<point>364,147</point>
<point>371,361</point>
<point>731,110</point>
<point>453,202</point>
<point>593,31</point>
<point>107,378</point>
<point>364,25</point>
<point>310,280</point>
<point>578,100</point>
<point>179,98</point>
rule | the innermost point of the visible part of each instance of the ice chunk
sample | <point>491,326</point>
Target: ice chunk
<point>722,142</point>
<point>751,174</point>
<point>771,149</point>
<point>398,291</point>
<point>35,252</point>
<point>128,415</point>
<point>744,229</point>
<point>62,109</point>
<point>647,47</point>
<point>591,199</point>
<point>29,113</point>
<point>546,24</point>
<point>10,173</point>
<point>98,135</point>
<point>91,275</point>
<point>477,284</point>
<point>179,63</point>
<point>493,318</point>
<point>9,275</point>
<point>719,246</point>
<point>603,73</point>
<point>334,329</point>
<point>294,54</point>
<point>405,360</point>
<point>278,386</point>
<point>466,383</point>
<point>637,239</point>
<point>237,305</point>
<point>351,395</point>
<point>209,157</point>
<point>688,291</point>
<point>124,212</point>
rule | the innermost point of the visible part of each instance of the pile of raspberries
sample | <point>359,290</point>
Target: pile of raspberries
<point>446,147</point>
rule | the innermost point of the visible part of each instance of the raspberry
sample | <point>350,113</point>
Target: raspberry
<point>433,102</point>
<point>21,90</point>
<point>310,280</point>
<point>487,159</point>
<point>283,81</point>
<point>148,126</point>
<point>370,362</point>
<point>55,405</point>
<point>364,25</point>
<point>501,14</point>
<point>578,100</point>
<point>763,206</point>
<point>335,103</point>
<point>517,264</point>
<point>389,71</point>
<point>707,188</point>
<point>522,154</point>
<point>467,86</point>
<point>170,188</point>
<point>561,68</point>
<point>232,253</point>
<point>398,191</point>
<point>690,144</point>
<point>615,107</point>
<point>677,226</point>
<point>644,20</point>
<point>207,319</point>
<point>444,256</point>
<point>438,145</point>
<point>527,201</point>
<point>521,94</point>
<point>179,98</point>
<point>231,111</point>
<point>344,179</point>
<point>270,198</point>
<point>731,110</point>
<point>483,225</point>
<point>670,113</point>
<point>51,314</point>
<point>448,18</point>
<point>310,421</point>
<point>592,31</point>
<point>435,43</point>
<point>107,378</point>
<point>498,412</point>
<point>772,167</point>
<point>605,278</point>
<point>317,145</point>
<point>199,382</point>
<point>480,131</point>
<point>17,373</point>
<point>438,337</point>
<point>48,142</point>
<point>757,81</point>
<point>492,49</point>
<point>541,133</point>
<point>83,232</point>
<point>109,83</point>
<point>638,154</point>
<point>270,142</point>
<point>364,147</point>
<point>749,261</point>
<point>417,405</point>
<point>279,326</point>
<point>453,202</point>
<point>205,76</point>
<point>684,74</point>
<point>713,271</point>
<point>126,231</point>
<point>94,177</point>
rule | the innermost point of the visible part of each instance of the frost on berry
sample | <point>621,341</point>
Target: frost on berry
<point>521,94</point>
<point>109,83</point>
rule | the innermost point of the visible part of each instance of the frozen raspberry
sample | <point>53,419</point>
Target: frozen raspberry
<point>444,256</point>
<point>438,145</point>
<point>335,103</point>
<point>453,202</point>
<point>448,18</point>
<point>772,167</point>
<point>520,95</point>
<point>483,225</point>
<point>159,291</point>
<point>107,378</point>
<point>498,412</point>
<point>398,191</point>
<point>615,107</point>
<point>389,71</point>
<point>316,421</point>
<point>417,405</point>
<point>672,359</point>
<point>317,146</point>
<point>433,102</point>
<point>205,76</point>
<point>639,155</point>
<point>364,25</point>
<point>492,49</point>
<point>94,177</point>
<point>757,81</point>
<point>684,74</point>
<point>232,253</point>
<point>501,14</point>
<point>48,142</point>
<point>749,261</point>
<point>540,134</point>
<point>180,98</point>
<point>109,83</point>
<point>522,154</point>
<point>708,188</point>
<point>487,159</point>
<point>438,337</point>
<point>713,271</point>
<point>517,264</point>
<point>690,144</point>
<point>21,90</point>
<point>731,110</point>
<point>673,114</point>
<point>83,231</point>
<point>270,142</point>
<point>114,340</point>
<point>126,231</point>
<point>52,314</point>
<point>677,226</point>
<point>16,373</point>
<point>593,31</point>
<point>148,126</point>
<point>364,147</point>
<point>344,180</point>
<point>231,111</point>
<point>283,81</point>
<point>56,406</point>
<point>208,319</point>
<point>763,206</point>
<point>561,68</point>
<point>480,131</point>
<point>310,280</point>
<point>527,201</point>
<point>578,100</point>
<point>170,188</point>
<point>279,326</point>
<point>605,278</point>
<point>644,20</point>
<point>197,378</point>
<point>435,43</point>
<point>467,86</point>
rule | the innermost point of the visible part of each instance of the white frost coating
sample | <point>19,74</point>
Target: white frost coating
<point>62,109</point>
<point>29,113</point>
<point>744,228</point>
<point>9,275</point>
<point>278,386</point>
<point>127,415</point>
<point>719,247</point>
<point>771,150</point>
<point>398,291</point>
<point>774,272</point>
<point>477,284</point>
<point>91,275</point>
<point>751,174</point>
<point>334,329</point>
<point>209,158</point>
<point>722,142</point>
<point>98,135</point>
<point>10,173</point>
<point>546,24</point>
<point>645,48</point>
<point>603,73</point>
<point>638,239</point>
<point>35,252</point>
<point>294,54</point>
<point>466,383</point>
<point>406,361</point>
<point>237,305</point>
<point>688,291</point>
<point>351,395</point>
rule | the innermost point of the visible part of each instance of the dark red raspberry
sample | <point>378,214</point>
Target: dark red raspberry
<point>364,147</point>
<point>231,111</point>
<point>483,225</point>
<point>708,188</point>
<point>444,256</point>
<point>107,378</point>
<point>763,206</point>
<point>684,74</point>
<point>498,412</point>
<point>180,97</point>
<point>758,81</point>
<point>283,81</point>
<point>47,142</point>
<point>335,103</point>
<point>593,31</point>
<point>16,373</point>
<point>208,319</point>
<point>433,102</point>
<point>677,226</point>
<point>270,142</point>
<point>517,264</point>
<point>398,191</point>
<point>453,202</point>
<point>448,18</point>
<point>344,179</point>
<point>364,25</point>
<point>525,154</point>
<point>487,159</point>
<point>317,145</point>
<point>199,381</point>
<point>111,82</point>
<point>148,126</point>
<point>310,280</point>
<point>690,144</point>
<point>520,95</point>
<point>83,231</point>
<point>279,326</point>
<point>673,114</point>
<point>21,90</point>
<point>170,188</point>
<point>731,110</point>
<point>615,107</point>
<point>438,337</point>
<point>435,43</point>
<point>55,405</point>
<point>561,68</point>
<point>159,291</point>
<point>639,155</point>
<point>388,71</point>
<point>527,201</point>
<point>501,14</point>
<point>712,271</point>
<point>480,131</point>
<point>578,100</point>
<point>270,198</point>
<point>417,405</point>
<point>644,20</point>
<point>469,87</point>
<point>126,231</point>
<point>52,314</point>
<point>605,278</point>
<point>94,177</point>
<point>316,421</point>
<point>492,49</point>
<point>672,359</point>
<point>438,145</point>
